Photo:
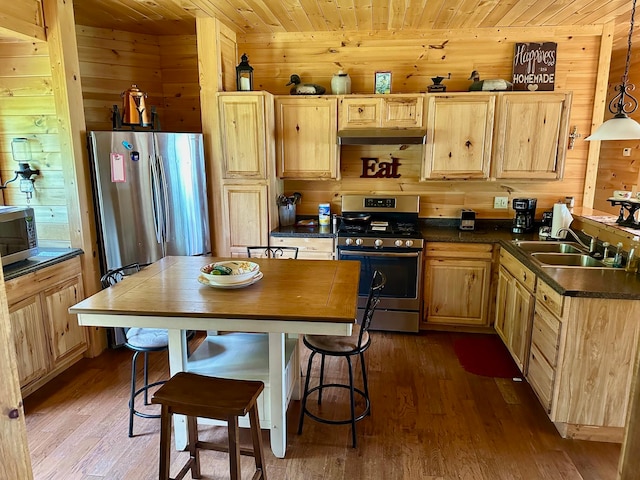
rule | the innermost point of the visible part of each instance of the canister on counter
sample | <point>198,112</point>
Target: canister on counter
<point>324,214</point>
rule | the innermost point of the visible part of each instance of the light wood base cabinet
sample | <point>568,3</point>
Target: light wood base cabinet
<point>581,362</point>
<point>46,337</point>
<point>457,282</point>
<point>514,307</point>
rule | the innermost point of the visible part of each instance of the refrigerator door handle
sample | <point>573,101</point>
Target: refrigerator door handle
<point>165,199</point>
<point>155,185</point>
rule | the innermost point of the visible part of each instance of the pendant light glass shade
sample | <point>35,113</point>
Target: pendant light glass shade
<point>617,128</point>
<point>621,127</point>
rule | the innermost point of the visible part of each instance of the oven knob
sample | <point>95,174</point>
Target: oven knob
<point>377,242</point>
<point>359,241</point>
<point>398,243</point>
<point>409,243</point>
<point>348,241</point>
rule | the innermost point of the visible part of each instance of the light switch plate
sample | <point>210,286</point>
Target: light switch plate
<point>501,202</point>
<point>626,152</point>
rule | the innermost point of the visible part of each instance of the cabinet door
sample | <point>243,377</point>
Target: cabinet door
<point>243,136</point>
<point>67,337</point>
<point>459,135</point>
<point>522,311</point>
<point>502,295</point>
<point>456,291</point>
<point>403,112</point>
<point>306,137</point>
<point>29,338</point>
<point>532,134</point>
<point>360,113</point>
<point>247,218</point>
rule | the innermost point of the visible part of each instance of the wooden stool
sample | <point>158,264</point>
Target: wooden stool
<point>209,397</point>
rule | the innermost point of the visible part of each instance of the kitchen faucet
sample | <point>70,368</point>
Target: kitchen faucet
<point>592,243</point>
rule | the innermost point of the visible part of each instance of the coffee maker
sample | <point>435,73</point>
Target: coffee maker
<point>525,209</point>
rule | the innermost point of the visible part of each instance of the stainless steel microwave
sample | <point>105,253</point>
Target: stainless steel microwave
<point>18,237</point>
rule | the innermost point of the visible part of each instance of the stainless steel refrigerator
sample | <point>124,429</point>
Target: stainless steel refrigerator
<point>150,196</point>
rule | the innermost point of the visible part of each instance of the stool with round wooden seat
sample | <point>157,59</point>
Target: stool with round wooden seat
<point>209,397</point>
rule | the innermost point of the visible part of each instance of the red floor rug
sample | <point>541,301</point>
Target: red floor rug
<point>485,355</point>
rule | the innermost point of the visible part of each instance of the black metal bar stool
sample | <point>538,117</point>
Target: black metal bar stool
<point>209,397</point>
<point>347,347</point>
<point>140,340</point>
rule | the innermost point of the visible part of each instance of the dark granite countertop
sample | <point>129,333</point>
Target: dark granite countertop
<point>315,231</point>
<point>572,282</point>
<point>45,258</point>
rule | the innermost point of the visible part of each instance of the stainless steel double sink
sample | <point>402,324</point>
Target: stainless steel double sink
<point>559,254</point>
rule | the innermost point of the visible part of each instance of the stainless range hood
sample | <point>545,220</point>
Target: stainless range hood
<point>382,136</point>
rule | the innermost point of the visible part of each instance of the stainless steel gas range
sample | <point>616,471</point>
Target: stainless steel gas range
<point>382,232</point>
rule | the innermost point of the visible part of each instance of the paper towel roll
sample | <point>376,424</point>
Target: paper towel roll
<point>562,218</point>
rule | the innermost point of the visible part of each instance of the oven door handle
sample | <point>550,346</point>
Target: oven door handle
<point>353,253</point>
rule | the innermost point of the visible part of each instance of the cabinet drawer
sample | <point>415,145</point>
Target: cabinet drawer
<point>546,334</point>
<point>305,245</point>
<point>550,298</point>
<point>476,251</point>
<point>541,376</point>
<point>518,270</point>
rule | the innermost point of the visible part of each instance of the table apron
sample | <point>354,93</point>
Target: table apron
<point>200,323</point>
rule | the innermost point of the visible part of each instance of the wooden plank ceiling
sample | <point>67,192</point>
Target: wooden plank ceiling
<point>273,16</point>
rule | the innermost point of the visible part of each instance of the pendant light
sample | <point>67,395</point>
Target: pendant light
<point>621,127</point>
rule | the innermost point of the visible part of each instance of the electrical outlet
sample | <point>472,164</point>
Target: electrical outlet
<point>501,202</point>
<point>626,152</point>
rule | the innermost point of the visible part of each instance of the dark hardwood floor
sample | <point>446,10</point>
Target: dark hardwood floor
<point>430,420</point>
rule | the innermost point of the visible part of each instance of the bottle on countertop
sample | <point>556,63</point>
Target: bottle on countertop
<point>617,259</point>
<point>634,255</point>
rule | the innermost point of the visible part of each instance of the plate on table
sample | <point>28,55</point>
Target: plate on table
<point>211,283</point>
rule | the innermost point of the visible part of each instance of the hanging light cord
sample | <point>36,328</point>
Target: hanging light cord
<point>624,103</point>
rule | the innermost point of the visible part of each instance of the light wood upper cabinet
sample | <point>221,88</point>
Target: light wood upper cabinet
<point>243,135</point>
<point>459,136</point>
<point>531,135</point>
<point>306,137</point>
<point>395,111</point>
<point>456,284</point>
<point>246,216</point>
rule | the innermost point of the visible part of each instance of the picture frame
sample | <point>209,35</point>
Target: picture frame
<point>383,82</point>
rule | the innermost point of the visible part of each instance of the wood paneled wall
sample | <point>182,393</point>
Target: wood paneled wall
<point>617,172</point>
<point>413,59</point>
<point>27,110</point>
<point>110,62</point>
<point>180,87</point>
<point>165,67</point>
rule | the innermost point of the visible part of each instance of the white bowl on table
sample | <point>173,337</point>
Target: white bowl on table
<point>241,271</point>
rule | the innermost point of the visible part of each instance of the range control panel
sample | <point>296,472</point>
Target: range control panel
<point>379,202</point>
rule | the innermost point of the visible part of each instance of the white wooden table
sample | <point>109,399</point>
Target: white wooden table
<point>294,297</point>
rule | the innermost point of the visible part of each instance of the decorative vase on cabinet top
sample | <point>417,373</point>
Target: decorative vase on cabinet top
<point>341,83</point>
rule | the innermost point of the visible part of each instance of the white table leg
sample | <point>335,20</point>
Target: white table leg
<point>178,363</point>
<point>277,388</point>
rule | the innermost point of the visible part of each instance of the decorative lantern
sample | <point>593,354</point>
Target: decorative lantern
<point>244,75</point>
